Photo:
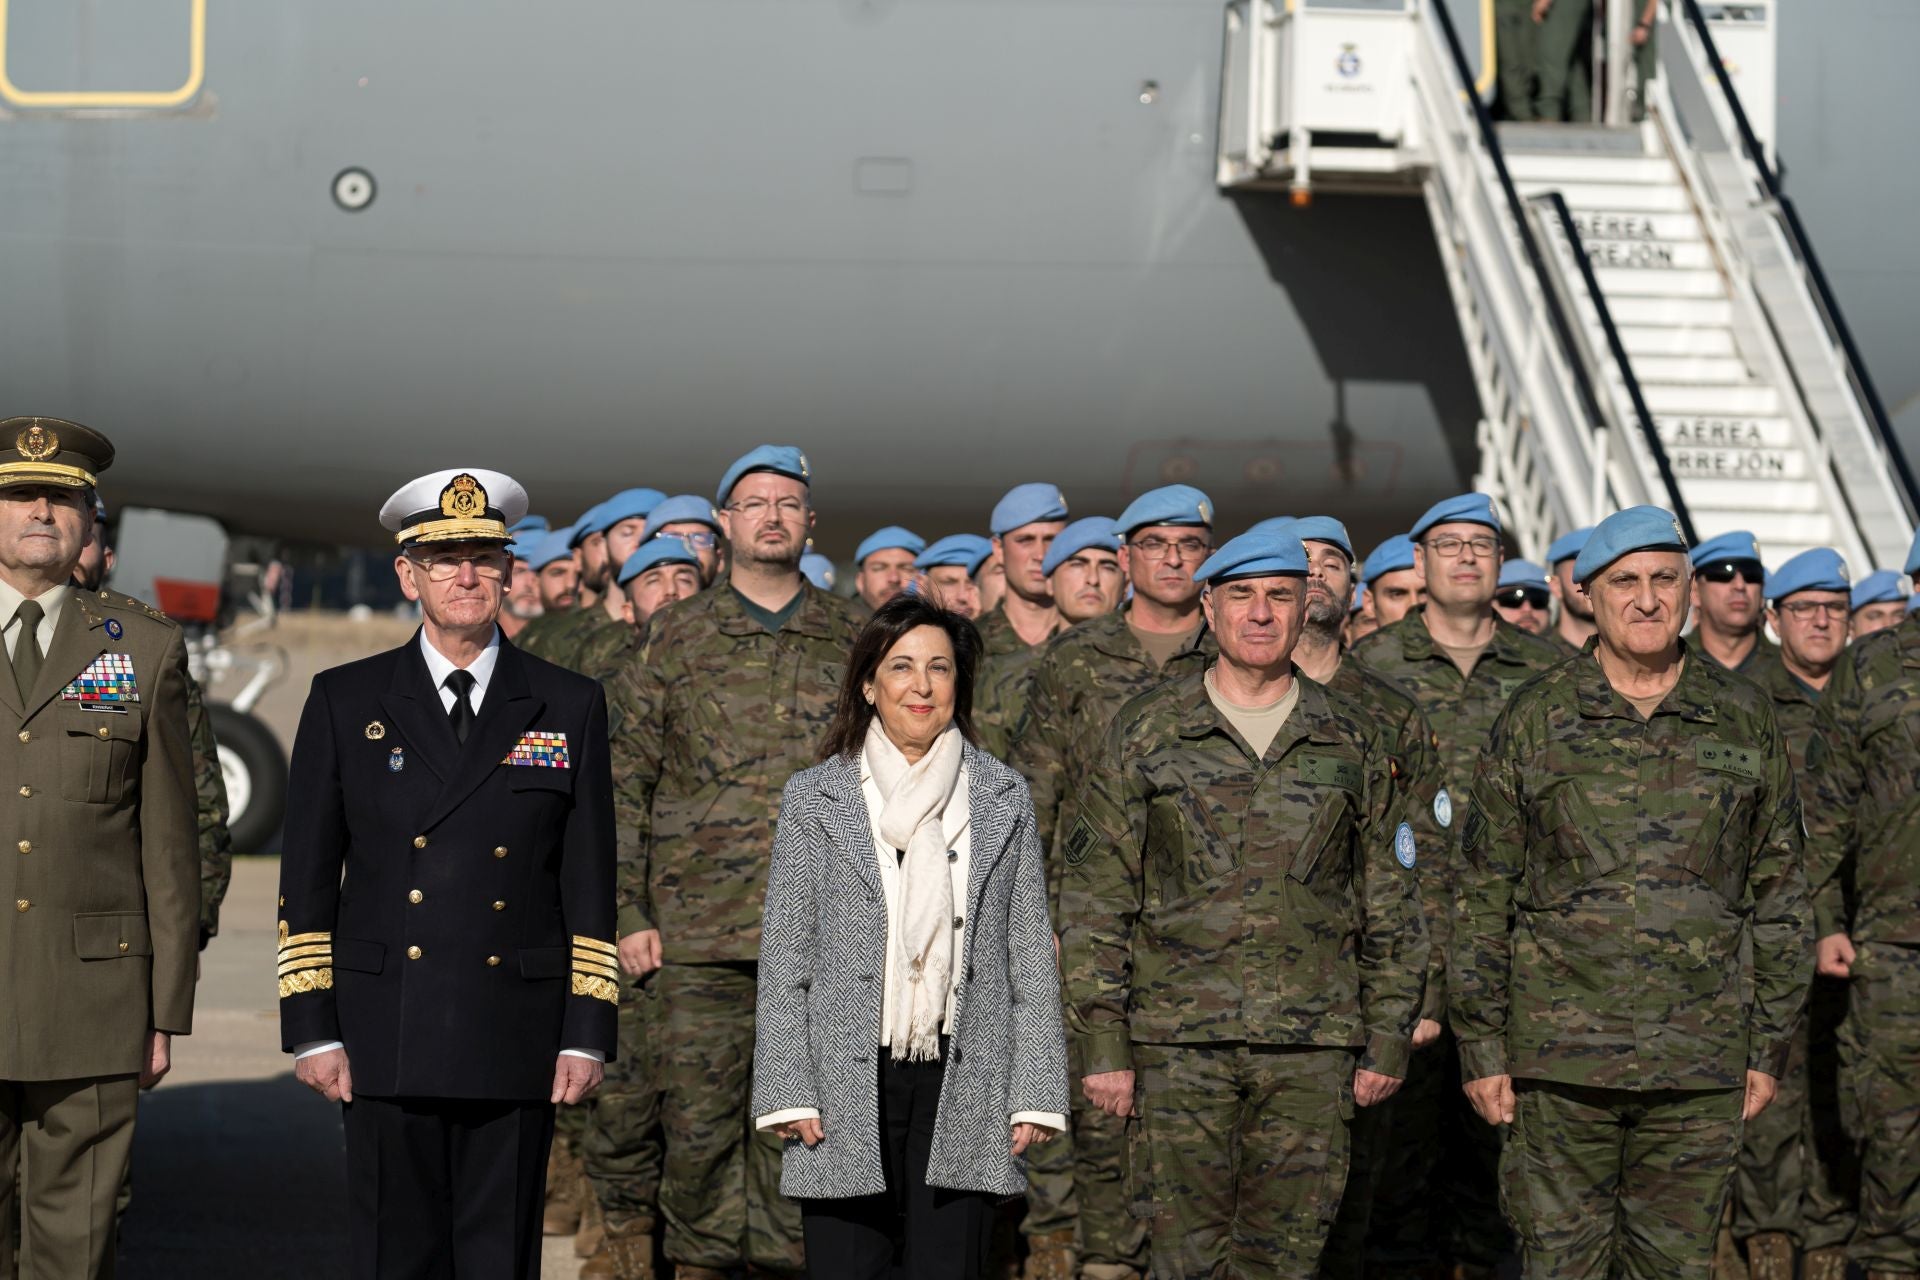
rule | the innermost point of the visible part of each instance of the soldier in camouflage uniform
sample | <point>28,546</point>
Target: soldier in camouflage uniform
<point>1394,585</point>
<point>1437,1191</point>
<point>1875,946</point>
<point>1082,1199</point>
<point>556,579</point>
<point>1797,1180</point>
<point>728,699</point>
<point>1575,625</point>
<point>1728,581</point>
<point>693,518</point>
<point>1632,941</point>
<point>1025,523</point>
<point>1242,929</point>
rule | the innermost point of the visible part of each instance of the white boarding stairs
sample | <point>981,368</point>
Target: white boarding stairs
<point>1701,364</point>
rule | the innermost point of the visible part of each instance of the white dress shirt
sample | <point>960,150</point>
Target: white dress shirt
<point>439,667</point>
<point>51,600</point>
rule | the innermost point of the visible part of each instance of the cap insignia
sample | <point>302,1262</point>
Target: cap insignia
<point>1843,569</point>
<point>1206,511</point>
<point>37,443</point>
<point>1677,534</point>
<point>805,471</point>
<point>463,499</point>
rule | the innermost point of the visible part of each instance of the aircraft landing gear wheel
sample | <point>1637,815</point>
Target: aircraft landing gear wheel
<point>254,770</point>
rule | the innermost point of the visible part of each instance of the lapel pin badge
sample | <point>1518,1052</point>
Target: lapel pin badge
<point>375,731</point>
<point>396,760</point>
<point>114,629</point>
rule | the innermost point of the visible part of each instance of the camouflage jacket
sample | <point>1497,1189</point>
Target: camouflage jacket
<point>1212,897</point>
<point>1764,653</point>
<point>1632,909</point>
<point>712,716</point>
<point>602,649</point>
<point>1826,773</point>
<point>1000,684</point>
<point>538,634</point>
<point>1081,680</point>
<point>210,793</point>
<point>1875,695</point>
<point>1417,766</point>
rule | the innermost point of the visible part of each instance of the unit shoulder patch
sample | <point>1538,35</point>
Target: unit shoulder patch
<point>1080,842</point>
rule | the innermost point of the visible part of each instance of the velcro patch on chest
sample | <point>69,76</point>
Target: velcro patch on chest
<point>540,750</point>
<point>108,678</point>
<point>1080,842</point>
<point>1330,771</point>
<point>1723,757</point>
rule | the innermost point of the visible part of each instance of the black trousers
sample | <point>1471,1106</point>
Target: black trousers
<point>941,1234</point>
<point>446,1188</point>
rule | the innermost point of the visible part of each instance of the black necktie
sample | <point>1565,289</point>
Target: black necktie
<point>460,715</point>
<point>26,648</point>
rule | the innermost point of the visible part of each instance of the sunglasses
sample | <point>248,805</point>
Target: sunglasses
<point>1514,597</point>
<point>1727,570</point>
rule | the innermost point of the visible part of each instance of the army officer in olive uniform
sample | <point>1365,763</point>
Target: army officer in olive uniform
<point>461,979</point>
<point>98,822</point>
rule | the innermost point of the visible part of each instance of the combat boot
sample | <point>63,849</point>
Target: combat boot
<point>1050,1256</point>
<point>1770,1256</point>
<point>593,1224</point>
<point>626,1253</point>
<point>1829,1263</point>
<point>565,1174</point>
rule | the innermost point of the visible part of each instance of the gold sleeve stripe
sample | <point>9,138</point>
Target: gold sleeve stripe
<point>594,944</point>
<point>595,970</point>
<point>296,953</point>
<point>299,938</point>
<point>598,988</point>
<point>306,980</point>
<point>598,957</point>
<point>298,966</point>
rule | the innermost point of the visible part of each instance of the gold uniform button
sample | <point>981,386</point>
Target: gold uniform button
<point>500,851</point>
<point>123,946</point>
<point>419,842</point>
<point>21,904</point>
<point>26,792</point>
<point>103,731</point>
<point>493,962</point>
<point>283,899</point>
<point>413,953</point>
<point>26,735</point>
<point>499,906</point>
<point>416,896</point>
<point>26,846</point>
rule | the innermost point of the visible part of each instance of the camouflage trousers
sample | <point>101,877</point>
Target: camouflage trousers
<point>1436,1194</point>
<point>720,1185</point>
<point>1247,1152</point>
<point>1345,1257</point>
<point>1879,1052</point>
<point>570,1125</point>
<point>1606,1183</point>
<point>1798,1172</point>
<point>622,1142</point>
<point>1051,1203</point>
<point>1083,1182</point>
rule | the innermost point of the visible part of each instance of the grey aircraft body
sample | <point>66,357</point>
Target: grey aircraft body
<point>285,253</point>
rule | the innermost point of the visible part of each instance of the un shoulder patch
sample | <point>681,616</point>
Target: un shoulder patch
<point>1443,808</point>
<point>1403,846</point>
<point>1080,842</point>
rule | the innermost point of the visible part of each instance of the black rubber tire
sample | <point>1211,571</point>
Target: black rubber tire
<point>258,752</point>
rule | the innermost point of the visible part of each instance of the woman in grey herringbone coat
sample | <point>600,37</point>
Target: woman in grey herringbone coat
<point>909,1045</point>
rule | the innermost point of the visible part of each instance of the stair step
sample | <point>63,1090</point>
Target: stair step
<point>1548,167</point>
<point>1696,340</point>
<point>1723,371</point>
<point>1613,196</point>
<point>1671,400</point>
<point>1623,224</point>
<point>1636,282</point>
<point>1715,313</point>
<point>1736,433</point>
<point>1718,505</point>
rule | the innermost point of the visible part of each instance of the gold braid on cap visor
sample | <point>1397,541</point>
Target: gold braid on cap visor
<point>453,531</point>
<point>48,473</point>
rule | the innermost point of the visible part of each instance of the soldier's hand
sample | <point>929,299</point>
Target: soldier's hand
<point>640,953</point>
<point>808,1131</point>
<point>1492,1098</point>
<point>1540,8</point>
<point>1027,1135</point>
<point>1834,956</point>
<point>1760,1090</point>
<point>159,1058</point>
<point>1111,1091</point>
<point>1370,1088</point>
<point>575,1077</point>
<point>1425,1032</point>
<point>327,1074</point>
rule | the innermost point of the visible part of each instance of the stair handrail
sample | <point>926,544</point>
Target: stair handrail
<point>1802,247</point>
<point>1557,317</point>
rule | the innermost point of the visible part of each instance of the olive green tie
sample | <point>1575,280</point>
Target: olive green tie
<point>26,649</point>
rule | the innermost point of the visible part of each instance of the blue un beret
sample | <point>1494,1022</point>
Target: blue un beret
<point>577,531</point>
<point>1394,554</point>
<point>1467,508</point>
<point>1169,504</point>
<point>544,550</point>
<point>1523,573</point>
<point>1913,557</point>
<point>781,459</point>
<point>1567,545</point>
<point>818,570</point>
<point>1882,586</point>
<point>1738,545</point>
<point>682,508</point>
<point>1027,504</point>
<point>1913,604</point>
<point>1323,529</point>
<point>666,549</point>
<point>1624,532</point>
<point>968,550</point>
<point>1092,531</point>
<point>627,504</point>
<point>1359,598</point>
<point>529,524</point>
<point>1254,555</point>
<point>893,536</point>
<point>1820,569</point>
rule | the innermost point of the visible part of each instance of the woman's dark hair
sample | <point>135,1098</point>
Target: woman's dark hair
<point>891,621</point>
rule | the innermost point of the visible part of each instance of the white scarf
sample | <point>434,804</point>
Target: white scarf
<point>916,795</point>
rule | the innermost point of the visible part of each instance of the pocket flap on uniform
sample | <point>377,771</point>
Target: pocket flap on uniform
<point>359,955</point>
<point>530,778</point>
<point>543,962</point>
<point>116,724</point>
<point>108,935</point>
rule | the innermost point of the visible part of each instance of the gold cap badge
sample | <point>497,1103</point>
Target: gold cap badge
<point>463,499</point>
<point>37,443</point>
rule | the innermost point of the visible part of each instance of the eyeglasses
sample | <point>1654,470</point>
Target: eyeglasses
<point>757,508</point>
<point>1514,597</point>
<point>1804,609</point>
<point>445,566</point>
<point>1727,570</point>
<point>702,541</point>
<point>1154,547</point>
<point>1446,546</point>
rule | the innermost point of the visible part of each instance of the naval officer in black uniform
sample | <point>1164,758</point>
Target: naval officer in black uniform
<point>447,964</point>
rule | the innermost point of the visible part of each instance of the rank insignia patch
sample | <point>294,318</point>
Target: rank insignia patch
<point>108,678</point>
<point>541,750</point>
